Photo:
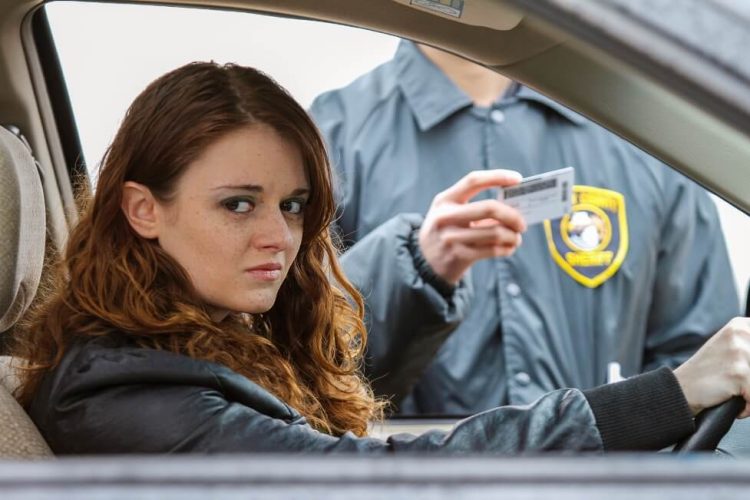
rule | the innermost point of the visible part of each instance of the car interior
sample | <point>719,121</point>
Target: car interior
<point>547,49</point>
<point>22,257</point>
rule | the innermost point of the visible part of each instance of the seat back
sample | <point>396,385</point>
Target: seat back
<point>22,243</point>
<point>19,437</point>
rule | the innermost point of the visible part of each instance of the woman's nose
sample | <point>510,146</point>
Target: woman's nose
<point>273,232</point>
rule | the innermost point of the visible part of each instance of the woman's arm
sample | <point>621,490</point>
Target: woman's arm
<point>129,400</point>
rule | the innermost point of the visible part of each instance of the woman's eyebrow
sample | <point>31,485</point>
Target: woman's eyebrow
<point>245,187</point>
<point>259,189</point>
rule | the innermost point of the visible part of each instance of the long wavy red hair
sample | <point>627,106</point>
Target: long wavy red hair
<point>306,349</point>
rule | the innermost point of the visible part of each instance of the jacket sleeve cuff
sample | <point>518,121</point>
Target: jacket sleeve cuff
<point>646,412</point>
<point>424,269</point>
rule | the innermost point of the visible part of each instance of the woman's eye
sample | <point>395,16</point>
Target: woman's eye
<point>239,205</point>
<point>293,206</point>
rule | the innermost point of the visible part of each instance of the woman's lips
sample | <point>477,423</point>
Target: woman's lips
<point>265,272</point>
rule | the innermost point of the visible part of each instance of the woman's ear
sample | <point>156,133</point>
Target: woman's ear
<point>140,208</point>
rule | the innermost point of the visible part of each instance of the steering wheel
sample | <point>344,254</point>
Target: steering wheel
<point>711,425</point>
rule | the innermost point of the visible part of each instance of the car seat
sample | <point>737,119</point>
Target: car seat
<point>22,245</point>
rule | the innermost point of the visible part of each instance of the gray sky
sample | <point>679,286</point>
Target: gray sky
<point>111,57</point>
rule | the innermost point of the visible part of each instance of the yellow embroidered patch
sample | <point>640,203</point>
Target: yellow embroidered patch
<point>591,242</point>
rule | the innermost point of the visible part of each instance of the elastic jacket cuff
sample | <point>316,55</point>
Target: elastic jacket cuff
<point>424,269</point>
<point>646,412</point>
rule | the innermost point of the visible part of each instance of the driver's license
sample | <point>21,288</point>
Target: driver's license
<point>543,196</point>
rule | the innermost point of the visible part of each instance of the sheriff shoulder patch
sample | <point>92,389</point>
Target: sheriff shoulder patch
<point>591,242</point>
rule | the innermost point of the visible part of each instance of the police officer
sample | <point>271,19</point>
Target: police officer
<point>636,277</point>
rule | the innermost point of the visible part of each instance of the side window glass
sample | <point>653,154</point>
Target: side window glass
<point>111,57</point>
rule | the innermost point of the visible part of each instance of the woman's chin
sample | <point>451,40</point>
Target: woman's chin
<point>256,306</point>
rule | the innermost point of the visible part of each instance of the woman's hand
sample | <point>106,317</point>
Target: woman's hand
<point>720,369</point>
<point>456,233</point>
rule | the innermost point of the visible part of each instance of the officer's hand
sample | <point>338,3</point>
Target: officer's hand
<point>456,233</point>
<point>720,369</point>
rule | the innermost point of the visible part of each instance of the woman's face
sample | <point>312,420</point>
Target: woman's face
<point>235,222</point>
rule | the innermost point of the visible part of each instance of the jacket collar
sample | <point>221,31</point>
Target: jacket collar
<point>525,93</point>
<point>433,97</point>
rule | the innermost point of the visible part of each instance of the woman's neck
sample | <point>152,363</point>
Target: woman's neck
<point>216,314</point>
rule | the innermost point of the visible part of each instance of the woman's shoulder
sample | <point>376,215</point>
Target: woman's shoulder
<point>109,395</point>
<point>117,356</point>
<point>114,362</point>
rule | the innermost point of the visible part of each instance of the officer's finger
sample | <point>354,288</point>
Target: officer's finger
<point>486,236</point>
<point>474,182</point>
<point>485,211</point>
<point>476,253</point>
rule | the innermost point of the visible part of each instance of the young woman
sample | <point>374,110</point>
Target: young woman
<point>200,306</point>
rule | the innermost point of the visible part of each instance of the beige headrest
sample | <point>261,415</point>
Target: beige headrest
<point>22,228</point>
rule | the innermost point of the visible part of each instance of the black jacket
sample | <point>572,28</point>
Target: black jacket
<point>109,397</point>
